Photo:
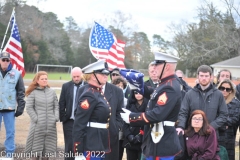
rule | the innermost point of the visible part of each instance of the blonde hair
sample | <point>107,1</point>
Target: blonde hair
<point>232,94</point>
<point>34,83</point>
<point>87,77</point>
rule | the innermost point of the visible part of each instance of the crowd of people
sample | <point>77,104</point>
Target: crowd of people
<point>170,120</point>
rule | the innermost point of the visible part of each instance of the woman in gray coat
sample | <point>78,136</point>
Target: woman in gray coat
<point>42,107</point>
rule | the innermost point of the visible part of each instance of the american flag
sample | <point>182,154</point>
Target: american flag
<point>135,78</point>
<point>104,45</point>
<point>14,46</point>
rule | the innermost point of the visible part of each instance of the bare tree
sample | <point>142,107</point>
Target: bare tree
<point>214,38</point>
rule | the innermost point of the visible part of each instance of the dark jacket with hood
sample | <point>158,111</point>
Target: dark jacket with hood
<point>211,101</point>
<point>133,106</point>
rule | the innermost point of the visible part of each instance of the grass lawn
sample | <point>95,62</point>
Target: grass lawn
<point>60,76</point>
<point>51,76</point>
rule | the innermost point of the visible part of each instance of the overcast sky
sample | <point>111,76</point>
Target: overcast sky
<point>151,16</point>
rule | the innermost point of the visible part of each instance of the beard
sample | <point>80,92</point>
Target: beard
<point>204,82</point>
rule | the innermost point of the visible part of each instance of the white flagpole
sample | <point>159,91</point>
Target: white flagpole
<point>7,28</point>
<point>96,39</point>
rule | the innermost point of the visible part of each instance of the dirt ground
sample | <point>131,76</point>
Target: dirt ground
<point>23,123</point>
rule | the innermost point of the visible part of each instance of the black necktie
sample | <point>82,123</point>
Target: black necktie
<point>76,96</point>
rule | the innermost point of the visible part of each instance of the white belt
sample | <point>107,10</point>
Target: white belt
<point>97,125</point>
<point>168,123</point>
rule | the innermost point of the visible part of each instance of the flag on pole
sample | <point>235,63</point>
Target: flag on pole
<point>14,46</point>
<point>104,45</point>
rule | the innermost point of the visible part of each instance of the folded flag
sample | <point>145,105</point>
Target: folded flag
<point>135,79</point>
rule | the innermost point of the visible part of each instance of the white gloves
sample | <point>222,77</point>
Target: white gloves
<point>80,157</point>
<point>179,130</point>
<point>125,116</point>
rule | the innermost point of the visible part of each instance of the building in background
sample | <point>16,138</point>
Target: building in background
<point>233,65</point>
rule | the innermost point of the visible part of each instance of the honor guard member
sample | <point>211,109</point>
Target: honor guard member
<point>90,128</point>
<point>160,138</point>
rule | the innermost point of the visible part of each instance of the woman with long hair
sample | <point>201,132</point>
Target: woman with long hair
<point>201,139</point>
<point>42,107</point>
<point>227,134</point>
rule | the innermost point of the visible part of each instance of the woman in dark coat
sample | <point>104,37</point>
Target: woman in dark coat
<point>226,132</point>
<point>133,135</point>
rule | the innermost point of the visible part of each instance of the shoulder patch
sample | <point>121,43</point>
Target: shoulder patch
<point>162,99</point>
<point>84,104</point>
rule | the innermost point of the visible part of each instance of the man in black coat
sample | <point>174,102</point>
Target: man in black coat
<point>114,96</point>
<point>206,97</point>
<point>67,107</point>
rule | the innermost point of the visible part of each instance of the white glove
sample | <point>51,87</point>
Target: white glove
<point>125,116</point>
<point>80,157</point>
<point>179,130</point>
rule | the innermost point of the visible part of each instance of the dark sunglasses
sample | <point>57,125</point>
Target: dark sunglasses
<point>135,92</point>
<point>115,74</point>
<point>5,60</point>
<point>223,88</point>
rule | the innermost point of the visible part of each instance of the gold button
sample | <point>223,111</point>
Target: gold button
<point>139,117</point>
<point>130,118</point>
<point>133,117</point>
<point>107,125</point>
<point>108,119</point>
<point>76,144</point>
<point>110,114</point>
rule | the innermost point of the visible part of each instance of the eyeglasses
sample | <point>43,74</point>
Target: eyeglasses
<point>223,89</point>
<point>115,74</point>
<point>197,119</point>
<point>5,60</point>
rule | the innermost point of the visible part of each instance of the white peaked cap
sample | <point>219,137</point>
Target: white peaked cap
<point>159,56</point>
<point>99,65</point>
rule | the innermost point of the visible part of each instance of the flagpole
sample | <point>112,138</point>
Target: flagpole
<point>7,29</point>
<point>96,38</point>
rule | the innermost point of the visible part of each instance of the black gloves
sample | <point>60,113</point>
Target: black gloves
<point>222,129</point>
<point>131,138</point>
<point>138,138</point>
<point>135,139</point>
<point>18,113</point>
